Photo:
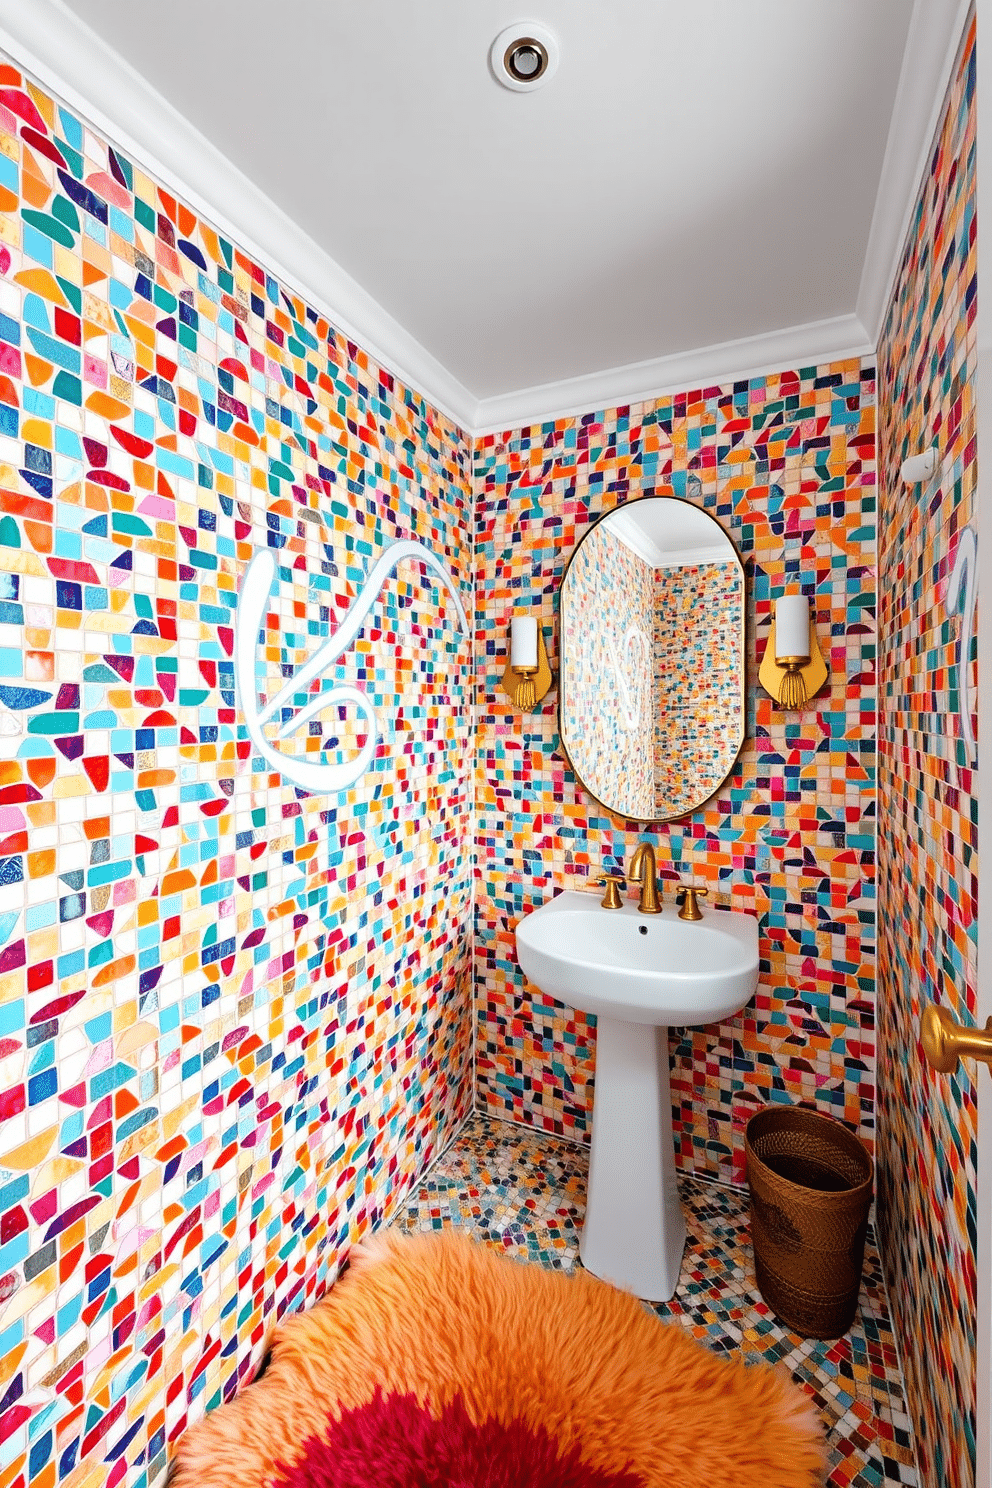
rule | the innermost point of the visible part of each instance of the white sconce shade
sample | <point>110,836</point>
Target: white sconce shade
<point>919,467</point>
<point>792,628</point>
<point>523,641</point>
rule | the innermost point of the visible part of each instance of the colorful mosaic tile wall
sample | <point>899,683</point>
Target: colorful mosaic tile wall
<point>235,1019</point>
<point>787,464</point>
<point>698,641</point>
<point>928,869</point>
<point>607,673</point>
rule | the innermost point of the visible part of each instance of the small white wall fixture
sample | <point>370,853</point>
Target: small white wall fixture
<point>321,777</point>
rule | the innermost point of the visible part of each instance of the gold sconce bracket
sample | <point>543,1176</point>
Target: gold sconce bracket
<point>793,686</point>
<point>526,686</point>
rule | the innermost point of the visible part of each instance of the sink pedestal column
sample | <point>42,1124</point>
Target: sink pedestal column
<point>634,1230</point>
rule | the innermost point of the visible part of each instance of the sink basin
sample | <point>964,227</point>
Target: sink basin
<point>619,963</point>
<point>639,974</point>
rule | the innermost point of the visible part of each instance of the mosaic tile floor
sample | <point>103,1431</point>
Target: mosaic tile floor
<point>525,1191</point>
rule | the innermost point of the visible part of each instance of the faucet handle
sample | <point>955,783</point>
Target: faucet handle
<point>689,898</point>
<point>613,883</point>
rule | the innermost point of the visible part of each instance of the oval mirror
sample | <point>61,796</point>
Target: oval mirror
<point>651,693</point>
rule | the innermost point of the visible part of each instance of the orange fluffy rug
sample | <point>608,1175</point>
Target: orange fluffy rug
<point>436,1360</point>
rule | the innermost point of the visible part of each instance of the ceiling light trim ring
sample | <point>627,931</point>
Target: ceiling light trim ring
<point>515,42</point>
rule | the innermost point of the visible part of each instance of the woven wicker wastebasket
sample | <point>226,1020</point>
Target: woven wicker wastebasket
<point>811,1183</point>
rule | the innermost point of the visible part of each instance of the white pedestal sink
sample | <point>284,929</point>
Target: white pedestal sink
<point>640,975</point>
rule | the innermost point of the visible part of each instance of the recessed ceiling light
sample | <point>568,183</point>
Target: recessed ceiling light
<point>523,56</point>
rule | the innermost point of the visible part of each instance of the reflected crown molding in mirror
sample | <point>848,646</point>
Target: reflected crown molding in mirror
<point>652,681</point>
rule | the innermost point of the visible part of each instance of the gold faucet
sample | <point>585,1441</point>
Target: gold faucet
<point>643,870</point>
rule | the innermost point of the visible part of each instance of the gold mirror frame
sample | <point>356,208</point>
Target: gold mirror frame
<point>615,816</point>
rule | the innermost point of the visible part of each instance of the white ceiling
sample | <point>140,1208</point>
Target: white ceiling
<point>694,174</point>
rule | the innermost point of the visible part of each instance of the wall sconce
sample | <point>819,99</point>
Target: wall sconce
<point>792,670</point>
<point>528,676</point>
<point>918,468</point>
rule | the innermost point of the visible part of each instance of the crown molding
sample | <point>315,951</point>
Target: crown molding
<point>932,43</point>
<point>807,345</point>
<point>65,55</point>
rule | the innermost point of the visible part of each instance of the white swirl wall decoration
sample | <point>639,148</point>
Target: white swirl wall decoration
<point>959,599</point>
<point>318,776</point>
<point>632,658</point>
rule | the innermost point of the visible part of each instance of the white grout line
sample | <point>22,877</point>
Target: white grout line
<point>422,1177</point>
